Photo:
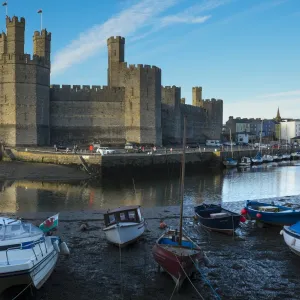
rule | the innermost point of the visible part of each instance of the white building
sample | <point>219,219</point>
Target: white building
<point>289,130</point>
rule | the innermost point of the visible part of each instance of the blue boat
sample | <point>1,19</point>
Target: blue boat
<point>230,162</point>
<point>291,235</point>
<point>271,213</point>
<point>215,218</point>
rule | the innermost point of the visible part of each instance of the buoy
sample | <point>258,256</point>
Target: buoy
<point>195,218</point>
<point>258,215</point>
<point>244,211</point>
<point>64,248</point>
<point>162,225</point>
<point>242,219</point>
<point>55,246</point>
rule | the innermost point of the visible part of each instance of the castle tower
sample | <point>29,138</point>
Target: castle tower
<point>24,89</point>
<point>116,56</point>
<point>42,44</point>
<point>3,43</point>
<point>197,96</point>
<point>15,35</point>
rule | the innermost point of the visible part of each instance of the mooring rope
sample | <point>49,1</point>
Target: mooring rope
<point>206,280</point>
<point>121,271</point>
<point>177,283</point>
<point>22,291</point>
<point>189,279</point>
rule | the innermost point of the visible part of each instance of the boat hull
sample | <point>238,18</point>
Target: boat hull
<point>123,234</point>
<point>292,240</point>
<point>37,275</point>
<point>178,264</point>
<point>285,217</point>
<point>227,224</point>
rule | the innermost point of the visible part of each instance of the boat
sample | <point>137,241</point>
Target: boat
<point>175,251</point>
<point>267,158</point>
<point>215,218</point>
<point>295,155</point>
<point>257,159</point>
<point>271,213</point>
<point>124,225</point>
<point>291,235</point>
<point>230,162</point>
<point>277,157</point>
<point>27,255</point>
<point>286,156</point>
<point>245,161</point>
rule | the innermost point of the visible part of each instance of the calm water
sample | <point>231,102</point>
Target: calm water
<point>273,180</point>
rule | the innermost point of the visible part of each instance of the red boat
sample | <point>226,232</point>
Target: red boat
<point>175,252</point>
<point>179,261</point>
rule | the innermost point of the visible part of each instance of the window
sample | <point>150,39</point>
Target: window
<point>132,91</point>
<point>131,215</point>
<point>122,216</point>
<point>115,53</point>
<point>112,219</point>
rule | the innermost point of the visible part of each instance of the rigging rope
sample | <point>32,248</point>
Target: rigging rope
<point>189,279</point>
<point>177,283</point>
<point>121,272</point>
<point>206,280</point>
<point>22,291</point>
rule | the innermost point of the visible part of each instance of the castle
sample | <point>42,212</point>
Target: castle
<point>134,107</point>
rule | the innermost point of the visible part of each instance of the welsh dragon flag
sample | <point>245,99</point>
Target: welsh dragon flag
<point>50,223</point>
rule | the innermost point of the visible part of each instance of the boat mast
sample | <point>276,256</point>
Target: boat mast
<point>182,180</point>
<point>260,134</point>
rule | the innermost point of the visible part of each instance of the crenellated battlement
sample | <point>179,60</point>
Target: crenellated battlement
<point>23,59</point>
<point>14,21</point>
<point>117,39</point>
<point>173,87</point>
<point>42,34</point>
<point>213,100</point>
<point>147,68</point>
<point>197,88</point>
<point>3,35</point>
<point>80,88</point>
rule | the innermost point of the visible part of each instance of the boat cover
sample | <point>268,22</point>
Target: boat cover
<point>295,228</point>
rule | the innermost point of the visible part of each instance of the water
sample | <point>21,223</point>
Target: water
<point>274,180</point>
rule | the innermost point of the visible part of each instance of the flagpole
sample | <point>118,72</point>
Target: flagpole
<point>41,21</point>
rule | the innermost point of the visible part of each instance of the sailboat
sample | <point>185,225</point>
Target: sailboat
<point>257,159</point>
<point>229,162</point>
<point>175,251</point>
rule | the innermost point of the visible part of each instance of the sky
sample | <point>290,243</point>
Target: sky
<point>246,52</point>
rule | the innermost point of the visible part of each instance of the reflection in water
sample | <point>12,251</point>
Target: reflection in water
<point>229,186</point>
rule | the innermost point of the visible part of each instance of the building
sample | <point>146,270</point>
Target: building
<point>134,107</point>
<point>289,130</point>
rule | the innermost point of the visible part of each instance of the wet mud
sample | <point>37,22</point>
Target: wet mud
<point>255,264</point>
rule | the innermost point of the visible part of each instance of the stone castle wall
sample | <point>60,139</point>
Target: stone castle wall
<point>83,114</point>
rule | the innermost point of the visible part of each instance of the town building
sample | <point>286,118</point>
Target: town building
<point>133,107</point>
<point>290,129</point>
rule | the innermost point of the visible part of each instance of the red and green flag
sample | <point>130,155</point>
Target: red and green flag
<point>50,223</point>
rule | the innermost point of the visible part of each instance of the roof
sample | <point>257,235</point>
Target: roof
<point>122,208</point>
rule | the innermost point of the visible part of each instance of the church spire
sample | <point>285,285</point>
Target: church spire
<point>278,117</point>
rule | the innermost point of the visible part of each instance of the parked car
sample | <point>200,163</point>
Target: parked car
<point>105,151</point>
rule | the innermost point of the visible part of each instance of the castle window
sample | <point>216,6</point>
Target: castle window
<point>115,53</point>
<point>130,105</point>
<point>132,91</point>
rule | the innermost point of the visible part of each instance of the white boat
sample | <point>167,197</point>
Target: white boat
<point>277,157</point>
<point>245,161</point>
<point>286,156</point>
<point>124,225</point>
<point>267,158</point>
<point>291,235</point>
<point>295,155</point>
<point>230,162</point>
<point>27,256</point>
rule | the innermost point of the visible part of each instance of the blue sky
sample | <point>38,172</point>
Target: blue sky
<point>246,52</point>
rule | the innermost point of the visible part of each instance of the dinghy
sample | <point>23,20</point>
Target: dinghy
<point>291,235</point>
<point>271,213</point>
<point>27,256</point>
<point>124,225</point>
<point>214,217</point>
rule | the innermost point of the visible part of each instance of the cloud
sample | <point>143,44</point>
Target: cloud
<point>126,23</point>
<point>183,19</point>
<point>281,95</point>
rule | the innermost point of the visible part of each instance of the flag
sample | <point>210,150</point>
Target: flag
<point>39,11</point>
<point>50,223</point>
<point>4,3</point>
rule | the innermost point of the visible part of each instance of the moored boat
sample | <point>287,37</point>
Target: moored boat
<point>245,162</point>
<point>295,155</point>
<point>124,225</point>
<point>215,218</point>
<point>175,251</point>
<point>286,156</point>
<point>291,235</point>
<point>267,158</point>
<point>257,159</point>
<point>271,213</point>
<point>230,162</point>
<point>27,256</point>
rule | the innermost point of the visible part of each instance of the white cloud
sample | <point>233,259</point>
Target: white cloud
<point>281,95</point>
<point>125,23</point>
<point>183,19</point>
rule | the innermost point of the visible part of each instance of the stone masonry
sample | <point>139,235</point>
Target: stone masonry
<point>134,107</point>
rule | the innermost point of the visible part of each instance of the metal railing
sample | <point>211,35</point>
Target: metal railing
<point>31,245</point>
